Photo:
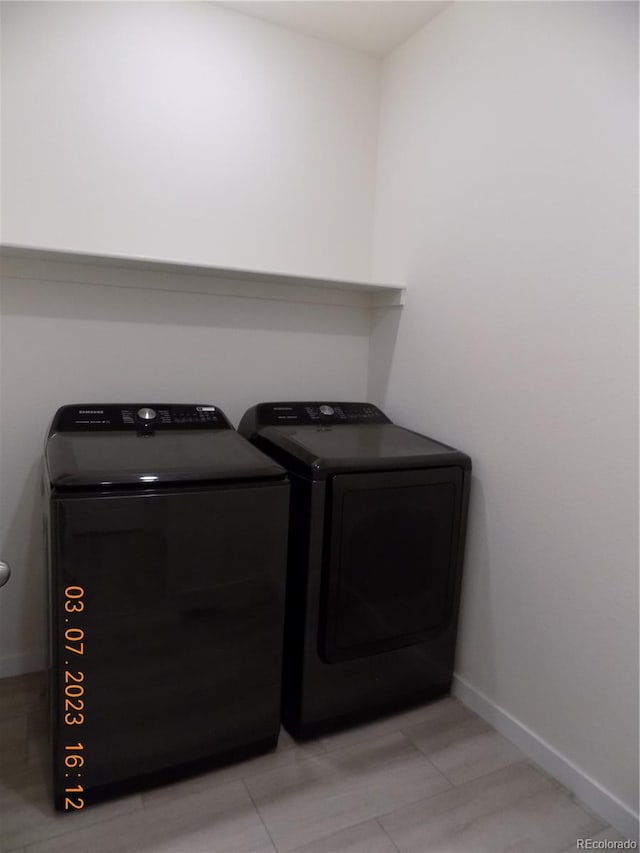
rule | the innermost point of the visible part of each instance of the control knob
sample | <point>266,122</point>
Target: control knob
<point>326,410</point>
<point>147,414</point>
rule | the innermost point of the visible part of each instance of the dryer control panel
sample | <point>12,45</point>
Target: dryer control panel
<point>282,414</point>
<point>138,416</point>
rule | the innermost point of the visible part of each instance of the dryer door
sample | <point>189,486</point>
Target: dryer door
<point>390,560</point>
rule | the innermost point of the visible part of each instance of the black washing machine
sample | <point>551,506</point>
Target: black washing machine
<point>377,527</point>
<point>167,559</point>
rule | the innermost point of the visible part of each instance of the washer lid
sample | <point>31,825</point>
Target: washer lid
<point>103,459</point>
<point>322,450</point>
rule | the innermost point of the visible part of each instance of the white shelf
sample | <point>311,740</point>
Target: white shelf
<point>155,274</point>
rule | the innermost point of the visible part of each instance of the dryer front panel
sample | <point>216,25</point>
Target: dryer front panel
<point>389,562</point>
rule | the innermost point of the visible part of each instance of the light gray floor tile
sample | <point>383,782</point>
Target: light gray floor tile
<point>14,732</point>
<point>303,802</point>
<point>368,837</point>
<point>516,808</point>
<point>37,747</point>
<point>38,734</point>
<point>439,713</point>
<point>311,747</point>
<point>606,834</point>
<point>28,814</point>
<point>547,775</point>
<point>317,796</point>
<point>473,749</point>
<point>18,695</point>
<point>23,722</point>
<point>285,741</point>
<point>286,754</point>
<point>18,780</point>
<point>221,820</point>
<point>442,731</point>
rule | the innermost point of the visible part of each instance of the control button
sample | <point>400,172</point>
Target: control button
<point>146,414</point>
<point>326,410</point>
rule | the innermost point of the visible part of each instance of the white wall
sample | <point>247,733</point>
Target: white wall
<point>64,342</point>
<point>507,196</point>
<point>185,131</point>
<point>180,131</point>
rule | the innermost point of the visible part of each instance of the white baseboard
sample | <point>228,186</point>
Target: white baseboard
<point>22,663</point>
<point>583,787</point>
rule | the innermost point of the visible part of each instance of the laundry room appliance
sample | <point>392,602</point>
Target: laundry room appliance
<point>377,527</point>
<point>167,536</point>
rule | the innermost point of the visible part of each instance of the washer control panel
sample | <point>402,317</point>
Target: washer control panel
<point>138,416</point>
<point>147,414</point>
<point>279,414</point>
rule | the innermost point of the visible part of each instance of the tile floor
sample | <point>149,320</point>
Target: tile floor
<point>437,778</point>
